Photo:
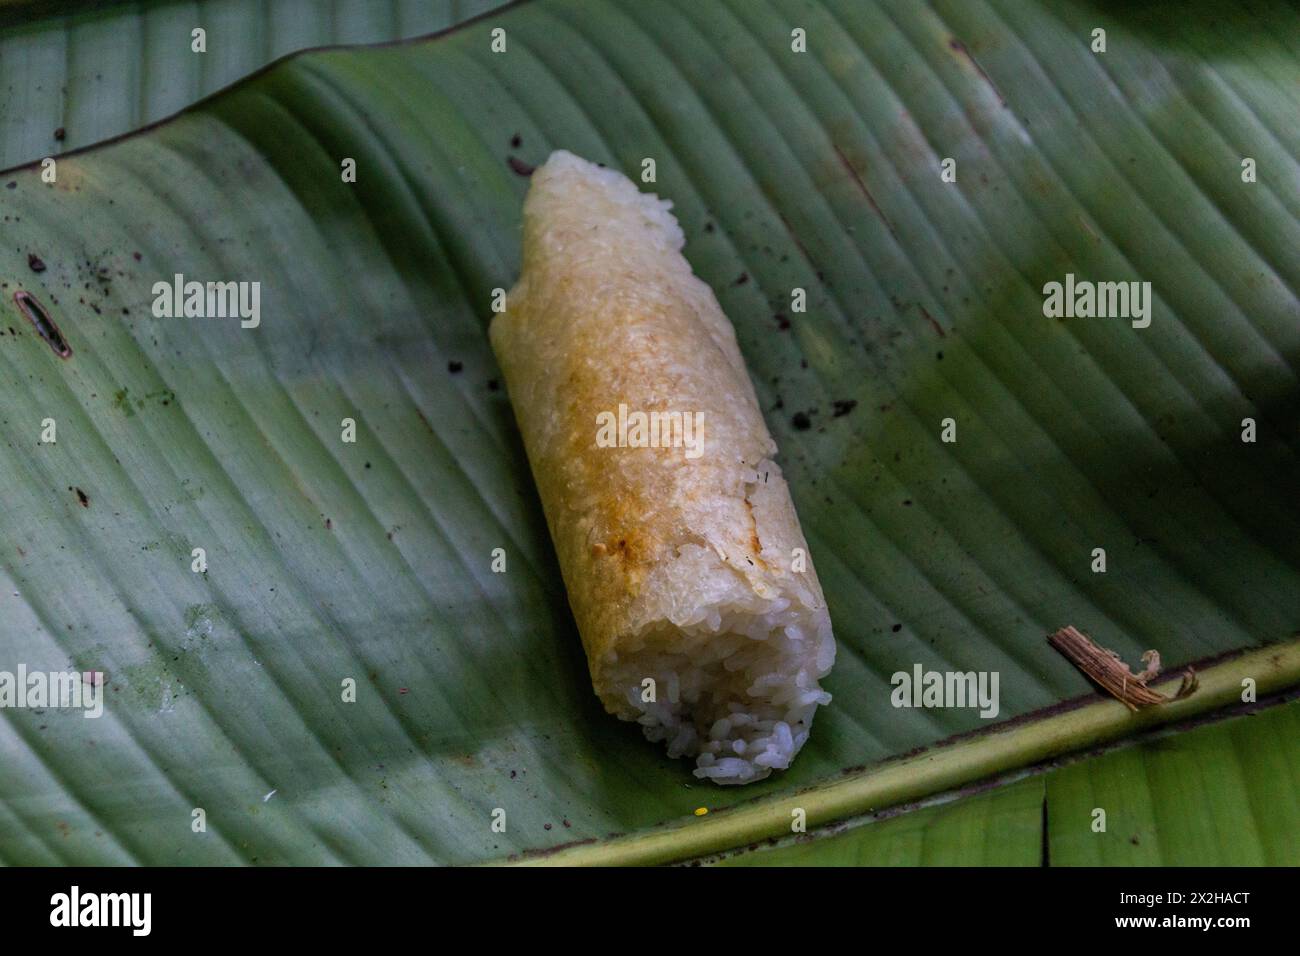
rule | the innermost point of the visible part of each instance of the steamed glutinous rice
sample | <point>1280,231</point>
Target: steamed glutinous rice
<point>685,565</point>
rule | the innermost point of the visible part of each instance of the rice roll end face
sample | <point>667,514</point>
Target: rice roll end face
<point>685,566</point>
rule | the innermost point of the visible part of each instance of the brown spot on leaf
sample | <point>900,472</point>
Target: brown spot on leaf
<point>520,167</point>
<point>45,326</point>
<point>862,187</point>
<point>933,323</point>
<point>961,48</point>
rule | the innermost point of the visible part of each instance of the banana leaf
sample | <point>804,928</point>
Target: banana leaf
<point>77,72</point>
<point>1224,794</point>
<point>328,561</point>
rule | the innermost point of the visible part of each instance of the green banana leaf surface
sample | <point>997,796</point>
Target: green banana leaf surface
<point>76,72</point>
<point>1217,795</point>
<point>330,562</point>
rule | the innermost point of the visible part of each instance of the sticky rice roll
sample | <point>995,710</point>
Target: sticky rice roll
<point>685,565</point>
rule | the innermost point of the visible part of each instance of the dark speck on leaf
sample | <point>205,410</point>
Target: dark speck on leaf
<point>782,322</point>
<point>708,226</point>
<point>520,167</point>
<point>516,141</point>
<point>907,502</point>
<point>81,497</point>
<point>896,628</point>
<point>453,367</point>
<point>12,184</point>
<point>60,134</point>
<point>493,385</point>
<point>801,421</point>
<point>329,525</point>
<point>136,256</point>
<point>844,405</point>
<point>35,262</point>
<point>546,826</point>
<point>742,279</point>
<point>45,326</point>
